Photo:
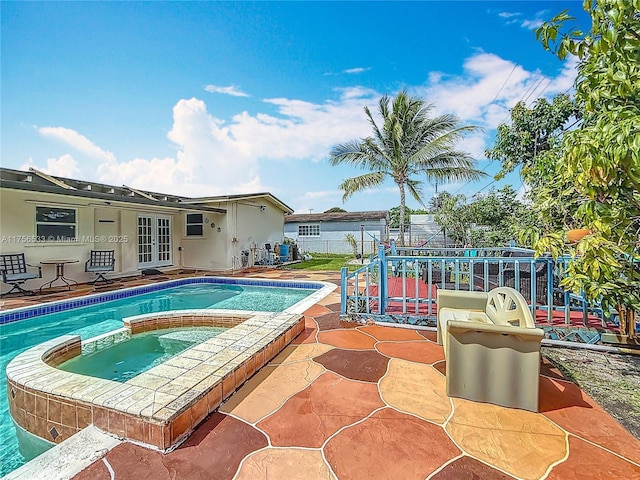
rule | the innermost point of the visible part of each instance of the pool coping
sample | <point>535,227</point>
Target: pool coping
<point>67,459</point>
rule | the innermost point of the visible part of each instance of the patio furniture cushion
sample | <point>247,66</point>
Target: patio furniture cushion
<point>99,268</point>
<point>447,314</point>
<point>13,277</point>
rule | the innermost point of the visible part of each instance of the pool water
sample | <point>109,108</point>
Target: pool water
<point>125,360</point>
<point>89,321</point>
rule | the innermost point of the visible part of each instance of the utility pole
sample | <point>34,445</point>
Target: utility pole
<point>435,195</point>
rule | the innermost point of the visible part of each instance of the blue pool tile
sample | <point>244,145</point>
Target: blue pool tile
<point>12,316</point>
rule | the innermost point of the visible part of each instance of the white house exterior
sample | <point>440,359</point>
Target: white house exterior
<point>326,232</point>
<point>49,218</point>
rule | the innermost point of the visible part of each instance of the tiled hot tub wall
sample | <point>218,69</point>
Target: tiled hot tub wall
<point>159,407</point>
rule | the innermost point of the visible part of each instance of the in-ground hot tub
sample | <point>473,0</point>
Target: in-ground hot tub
<point>139,353</point>
<point>160,406</point>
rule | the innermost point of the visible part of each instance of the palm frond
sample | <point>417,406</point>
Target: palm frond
<point>362,182</point>
<point>376,130</point>
<point>415,189</point>
<point>454,174</point>
<point>347,153</point>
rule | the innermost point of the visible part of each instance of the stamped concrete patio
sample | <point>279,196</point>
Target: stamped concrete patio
<point>354,401</point>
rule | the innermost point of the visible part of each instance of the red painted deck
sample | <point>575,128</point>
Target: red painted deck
<point>427,291</point>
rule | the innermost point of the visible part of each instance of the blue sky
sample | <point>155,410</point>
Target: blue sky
<point>213,98</point>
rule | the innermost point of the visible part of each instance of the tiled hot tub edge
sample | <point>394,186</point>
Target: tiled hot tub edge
<point>159,407</point>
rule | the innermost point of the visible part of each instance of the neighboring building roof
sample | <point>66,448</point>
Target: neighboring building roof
<point>240,197</point>
<point>337,216</point>
<point>37,181</point>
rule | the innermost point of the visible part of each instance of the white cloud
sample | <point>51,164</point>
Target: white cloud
<point>469,96</point>
<point>349,71</point>
<point>216,157</point>
<point>389,189</point>
<point>566,80</point>
<point>209,161</point>
<point>302,130</point>
<point>232,90</point>
<point>522,193</point>
<point>514,18</point>
<point>490,86</point>
<point>532,24</point>
<point>77,141</point>
<point>475,145</point>
<point>64,166</point>
<point>354,71</point>
<point>358,92</point>
<point>158,174</point>
<point>483,95</point>
<point>322,194</point>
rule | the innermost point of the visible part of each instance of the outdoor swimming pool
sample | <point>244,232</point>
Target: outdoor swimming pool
<point>102,313</point>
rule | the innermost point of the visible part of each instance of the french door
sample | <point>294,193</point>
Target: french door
<point>154,241</point>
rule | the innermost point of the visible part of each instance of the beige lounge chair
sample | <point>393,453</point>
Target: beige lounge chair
<point>491,346</point>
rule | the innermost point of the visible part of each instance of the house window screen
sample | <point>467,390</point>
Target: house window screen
<point>195,227</point>
<point>308,230</point>
<point>56,224</point>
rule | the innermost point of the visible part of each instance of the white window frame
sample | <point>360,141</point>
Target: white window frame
<point>47,238</point>
<point>187,224</point>
<point>309,230</point>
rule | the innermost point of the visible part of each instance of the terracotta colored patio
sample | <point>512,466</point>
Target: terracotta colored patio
<point>354,401</point>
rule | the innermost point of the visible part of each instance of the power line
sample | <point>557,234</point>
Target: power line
<point>532,88</point>
<point>546,86</point>
<point>536,81</point>
<point>487,185</point>
<point>492,101</point>
<point>538,78</point>
<point>469,181</point>
<point>505,82</point>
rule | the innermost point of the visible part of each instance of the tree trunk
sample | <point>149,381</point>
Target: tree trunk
<point>402,210</point>
<point>627,321</point>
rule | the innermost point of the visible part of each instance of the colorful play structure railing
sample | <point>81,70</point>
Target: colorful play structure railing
<point>400,284</point>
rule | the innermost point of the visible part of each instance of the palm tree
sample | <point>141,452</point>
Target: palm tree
<point>408,144</point>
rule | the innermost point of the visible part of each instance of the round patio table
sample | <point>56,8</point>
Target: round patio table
<point>59,263</point>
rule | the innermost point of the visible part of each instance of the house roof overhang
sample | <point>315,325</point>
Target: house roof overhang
<point>240,197</point>
<point>338,216</point>
<point>103,195</point>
